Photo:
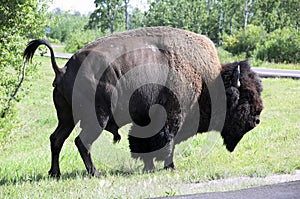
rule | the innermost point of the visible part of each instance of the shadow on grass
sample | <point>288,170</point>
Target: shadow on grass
<point>7,180</point>
<point>31,178</point>
<point>76,174</point>
<point>118,173</point>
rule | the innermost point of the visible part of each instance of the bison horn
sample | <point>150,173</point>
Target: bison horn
<point>238,76</point>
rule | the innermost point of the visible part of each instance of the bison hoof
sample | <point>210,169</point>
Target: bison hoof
<point>54,174</point>
<point>149,169</point>
<point>170,167</point>
<point>96,174</point>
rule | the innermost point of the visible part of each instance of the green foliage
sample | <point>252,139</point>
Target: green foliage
<point>66,24</point>
<point>245,40</point>
<point>279,46</point>
<point>137,19</point>
<point>227,57</point>
<point>109,15</point>
<point>189,15</point>
<point>70,30</point>
<point>79,39</point>
<point>282,45</point>
<point>20,20</point>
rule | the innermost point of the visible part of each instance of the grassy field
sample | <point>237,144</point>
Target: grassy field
<point>272,148</point>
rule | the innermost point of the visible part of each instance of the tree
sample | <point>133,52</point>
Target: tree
<point>109,15</point>
<point>245,41</point>
<point>178,14</point>
<point>281,45</point>
<point>136,19</point>
<point>267,14</point>
<point>65,24</point>
<point>20,20</point>
<point>126,3</point>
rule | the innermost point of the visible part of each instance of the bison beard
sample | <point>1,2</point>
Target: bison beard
<point>161,145</point>
<point>193,70</point>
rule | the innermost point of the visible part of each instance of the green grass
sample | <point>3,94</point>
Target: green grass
<point>271,148</point>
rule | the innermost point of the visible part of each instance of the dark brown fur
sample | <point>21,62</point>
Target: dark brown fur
<point>244,103</point>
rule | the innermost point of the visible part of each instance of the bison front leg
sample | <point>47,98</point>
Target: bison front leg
<point>57,140</point>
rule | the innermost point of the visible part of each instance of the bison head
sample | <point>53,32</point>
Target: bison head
<point>244,104</point>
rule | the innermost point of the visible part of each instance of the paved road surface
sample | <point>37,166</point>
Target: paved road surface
<point>289,190</point>
<point>60,55</point>
<point>264,72</point>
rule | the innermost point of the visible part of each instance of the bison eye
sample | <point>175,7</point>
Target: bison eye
<point>258,113</point>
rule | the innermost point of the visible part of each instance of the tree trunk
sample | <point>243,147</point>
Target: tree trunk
<point>246,15</point>
<point>126,13</point>
<point>231,19</point>
<point>111,19</point>
<point>220,18</point>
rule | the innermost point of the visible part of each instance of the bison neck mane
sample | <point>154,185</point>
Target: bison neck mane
<point>239,82</point>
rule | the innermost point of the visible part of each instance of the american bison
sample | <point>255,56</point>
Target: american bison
<point>167,82</point>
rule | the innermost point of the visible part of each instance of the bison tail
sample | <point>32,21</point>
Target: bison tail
<point>31,48</point>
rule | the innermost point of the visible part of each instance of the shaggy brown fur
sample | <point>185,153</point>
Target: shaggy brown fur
<point>244,103</point>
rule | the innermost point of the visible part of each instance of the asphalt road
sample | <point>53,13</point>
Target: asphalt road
<point>60,55</point>
<point>289,190</point>
<point>264,72</point>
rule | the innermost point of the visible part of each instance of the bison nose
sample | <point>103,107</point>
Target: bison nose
<point>257,121</point>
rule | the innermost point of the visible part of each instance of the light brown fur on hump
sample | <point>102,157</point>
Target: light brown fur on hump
<point>193,56</point>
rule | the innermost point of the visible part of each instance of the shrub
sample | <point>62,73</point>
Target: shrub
<point>227,57</point>
<point>79,39</point>
<point>64,24</point>
<point>282,45</point>
<point>20,20</point>
<point>244,41</point>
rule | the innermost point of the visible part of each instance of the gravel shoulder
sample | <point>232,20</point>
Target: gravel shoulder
<point>239,183</point>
